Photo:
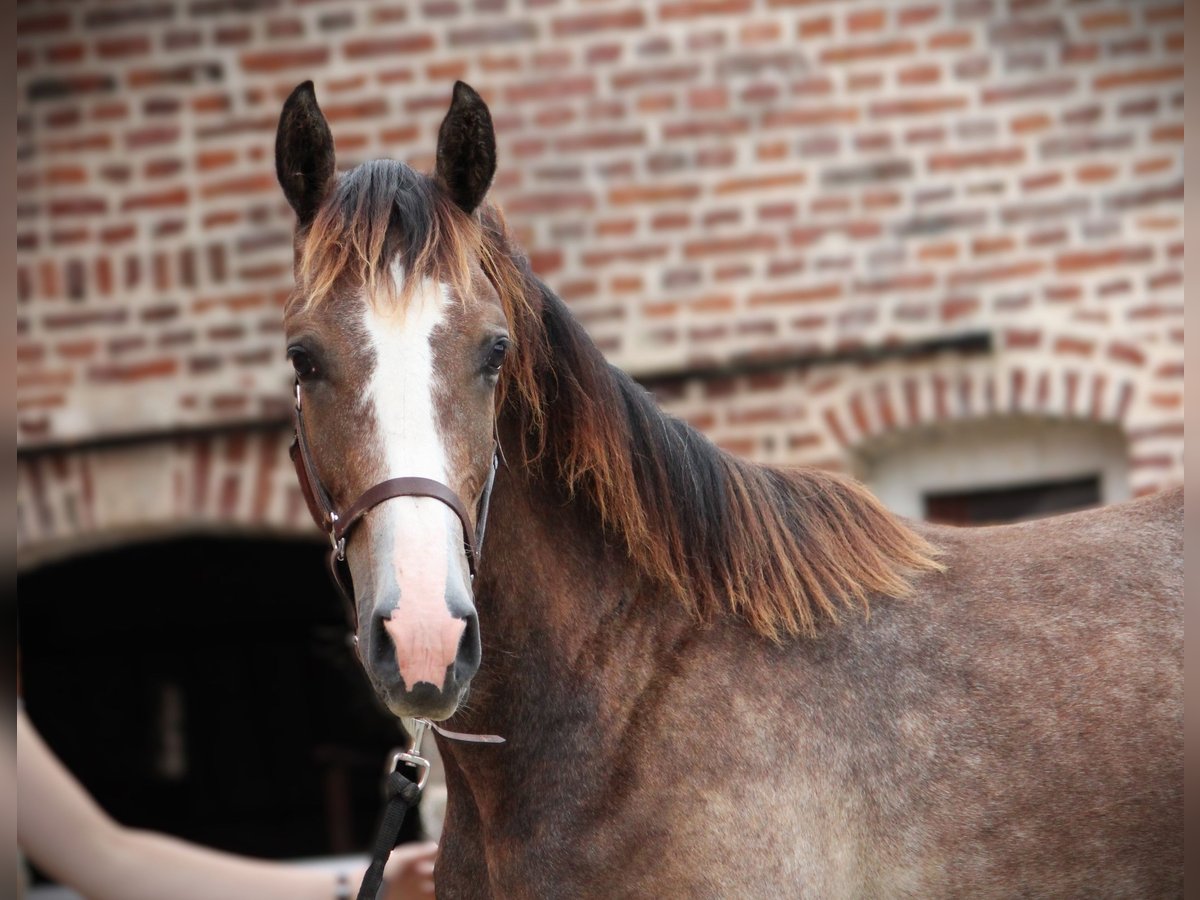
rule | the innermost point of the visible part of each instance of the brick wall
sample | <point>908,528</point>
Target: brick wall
<point>709,183</point>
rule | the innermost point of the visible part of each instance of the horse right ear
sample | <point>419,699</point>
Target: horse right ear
<point>304,161</point>
<point>466,149</point>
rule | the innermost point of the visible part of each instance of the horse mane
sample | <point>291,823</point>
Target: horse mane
<point>782,549</point>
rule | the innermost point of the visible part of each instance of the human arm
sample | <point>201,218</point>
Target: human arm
<point>63,830</point>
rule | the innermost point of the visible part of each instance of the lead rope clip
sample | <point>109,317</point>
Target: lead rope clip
<point>412,756</point>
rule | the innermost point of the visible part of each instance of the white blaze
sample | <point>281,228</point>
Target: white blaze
<point>419,532</point>
<point>401,389</point>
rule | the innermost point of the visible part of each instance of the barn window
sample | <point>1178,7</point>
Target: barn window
<point>1013,503</point>
<point>997,470</point>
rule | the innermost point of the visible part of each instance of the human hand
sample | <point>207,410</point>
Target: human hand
<point>408,874</point>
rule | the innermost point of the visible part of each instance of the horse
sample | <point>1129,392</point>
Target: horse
<point>714,678</point>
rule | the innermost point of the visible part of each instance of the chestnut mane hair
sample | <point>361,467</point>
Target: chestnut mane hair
<point>783,549</point>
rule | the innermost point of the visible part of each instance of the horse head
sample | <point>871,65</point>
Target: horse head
<point>397,336</point>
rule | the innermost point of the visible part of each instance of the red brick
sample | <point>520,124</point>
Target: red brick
<point>45,378</point>
<point>819,26</point>
<point>1152,75</point>
<point>866,20</point>
<point>1084,261</point>
<point>1166,13</point>
<point>394,47</point>
<point>1104,20</point>
<point>300,58</point>
<point>765,182</point>
<point>1095,172</point>
<point>918,106</point>
<point>553,88</point>
<point>694,9</point>
<point>951,40</point>
<point>717,246</point>
<point>1022,339</point>
<point>46,23</point>
<point>1041,88</point>
<point>80,144</point>
<point>83,348</point>
<point>122,47</point>
<point>1066,346</point>
<point>915,15</point>
<point>152,136</point>
<point>215,159</point>
<point>173,197</point>
<point>1166,400</point>
<point>59,176</point>
<point>958,307</point>
<point>999,272</point>
<point>805,116</point>
<point>550,202</point>
<point>919,74</point>
<point>865,81</point>
<point>247,184</point>
<point>814,293</point>
<point>61,54</point>
<point>1127,353</point>
<point>601,140</point>
<point>77,206</point>
<point>754,33</point>
<point>946,250</point>
<point>625,196</point>
<point>859,52</point>
<point>985,246</point>
<point>205,103</point>
<point>592,23</point>
<point>234,303</point>
<point>1041,181</point>
<point>1000,156</point>
<point>1171,133</point>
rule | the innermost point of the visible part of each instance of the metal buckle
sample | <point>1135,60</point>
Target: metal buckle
<point>337,543</point>
<point>412,756</point>
<point>297,395</point>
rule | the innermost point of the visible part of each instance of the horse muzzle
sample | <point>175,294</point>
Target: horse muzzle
<point>421,663</point>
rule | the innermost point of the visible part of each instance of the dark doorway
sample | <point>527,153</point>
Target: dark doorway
<point>205,688</point>
<point>1012,504</point>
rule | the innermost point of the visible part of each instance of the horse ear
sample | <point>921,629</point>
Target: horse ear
<point>466,149</point>
<point>304,161</point>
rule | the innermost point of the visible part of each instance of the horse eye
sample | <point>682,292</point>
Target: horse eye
<point>302,363</point>
<point>496,356</point>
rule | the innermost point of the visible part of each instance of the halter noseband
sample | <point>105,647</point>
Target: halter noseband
<point>338,526</point>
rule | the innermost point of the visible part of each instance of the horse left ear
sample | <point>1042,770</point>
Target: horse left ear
<point>466,149</point>
<point>304,161</point>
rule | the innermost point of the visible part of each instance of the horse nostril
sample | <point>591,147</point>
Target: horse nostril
<point>470,651</point>
<point>381,650</point>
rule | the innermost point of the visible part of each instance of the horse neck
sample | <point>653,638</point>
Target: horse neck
<point>572,641</point>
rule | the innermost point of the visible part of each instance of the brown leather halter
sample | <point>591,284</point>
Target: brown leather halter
<point>339,525</point>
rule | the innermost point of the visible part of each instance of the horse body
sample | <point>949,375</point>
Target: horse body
<point>715,679</point>
<point>1012,729</point>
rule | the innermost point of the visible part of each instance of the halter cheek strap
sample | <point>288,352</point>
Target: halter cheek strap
<point>339,526</point>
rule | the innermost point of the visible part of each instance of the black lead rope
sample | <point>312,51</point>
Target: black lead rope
<point>402,795</point>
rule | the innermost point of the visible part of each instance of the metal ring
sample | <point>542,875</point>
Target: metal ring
<point>417,762</point>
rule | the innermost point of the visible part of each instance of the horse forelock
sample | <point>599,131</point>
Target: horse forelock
<point>375,215</point>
